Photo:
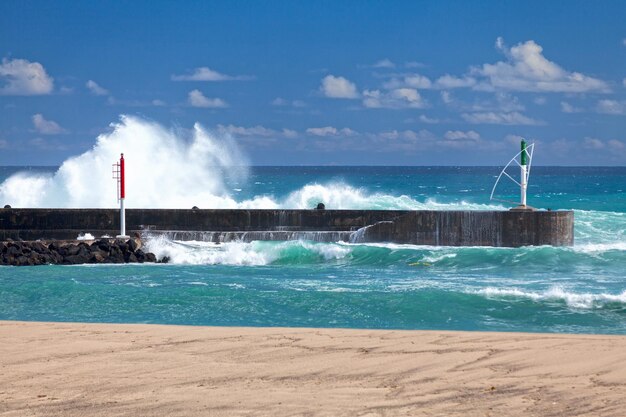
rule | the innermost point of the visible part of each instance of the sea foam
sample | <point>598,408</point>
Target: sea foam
<point>556,293</point>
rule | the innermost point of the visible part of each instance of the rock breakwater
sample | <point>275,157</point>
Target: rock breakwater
<point>102,251</point>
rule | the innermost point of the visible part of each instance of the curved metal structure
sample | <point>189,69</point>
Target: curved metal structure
<point>526,157</point>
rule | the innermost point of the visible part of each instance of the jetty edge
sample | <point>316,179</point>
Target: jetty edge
<point>41,252</point>
<point>512,228</point>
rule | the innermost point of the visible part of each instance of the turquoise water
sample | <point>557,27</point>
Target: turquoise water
<point>581,289</point>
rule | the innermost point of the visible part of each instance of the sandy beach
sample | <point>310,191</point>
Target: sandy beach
<point>73,369</point>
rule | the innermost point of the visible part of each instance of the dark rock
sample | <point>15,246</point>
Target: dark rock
<point>97,258</point>
<point>63,251</point>
<point>83,250</point>
<point>113,260</point>
<point>39,247</point>
<point>123,246</point>
<point>101,253</point>
<point>13,250</point>
<point>103,245</point>
<point>48,259</point>
<point>37,253</point>
<point>70,250</point>
<point>53,247</point>
<point>320,206</point>
<point>150,257</point>
<point>6,206</point>
<point>76,259</point>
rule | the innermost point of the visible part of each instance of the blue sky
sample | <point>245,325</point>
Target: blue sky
<point>321,82</point>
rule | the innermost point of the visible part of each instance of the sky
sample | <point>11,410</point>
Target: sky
<point>321,82</point>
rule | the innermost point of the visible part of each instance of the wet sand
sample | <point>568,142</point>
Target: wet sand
<point>69,369</point>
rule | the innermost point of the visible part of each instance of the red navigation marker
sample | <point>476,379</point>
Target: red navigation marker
<point>122,179</point>
<point>119,174</point>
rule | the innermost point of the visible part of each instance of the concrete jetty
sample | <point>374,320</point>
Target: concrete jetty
<point>422,227</point>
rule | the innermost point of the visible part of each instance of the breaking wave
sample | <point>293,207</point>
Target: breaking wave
<point>558,294</point>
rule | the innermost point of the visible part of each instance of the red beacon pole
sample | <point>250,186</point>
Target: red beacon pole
<point>119,175</point>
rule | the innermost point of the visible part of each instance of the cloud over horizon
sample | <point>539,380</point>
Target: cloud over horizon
<point>95,89</point>
<point>338,87</point>
<point>207,74</point>
<point>46,127</point>
<point>195,98</point>
<point>24,78</point>
<point>527,69</point>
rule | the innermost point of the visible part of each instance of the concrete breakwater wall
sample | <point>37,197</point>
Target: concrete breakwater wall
<point>423,227</point>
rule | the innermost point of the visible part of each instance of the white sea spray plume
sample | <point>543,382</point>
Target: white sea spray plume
<point>163,169</point>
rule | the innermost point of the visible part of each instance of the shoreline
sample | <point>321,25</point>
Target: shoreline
<point>71,369</point>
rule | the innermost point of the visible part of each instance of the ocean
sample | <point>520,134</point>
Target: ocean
<point>579,289</point>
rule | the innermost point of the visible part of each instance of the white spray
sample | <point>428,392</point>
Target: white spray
<point>163,171</point>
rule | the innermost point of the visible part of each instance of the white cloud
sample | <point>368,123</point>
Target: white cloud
<point>278,101</point>
<point>460,135</point>
<point>425,119</point>
<point>406,135</point>
<point>526,69</point>
<point>616,148</point>
<point>281,102</point>
<point>96,89</point>
<point>499,102</point>
<point>540,101</point>
<point>511,118</point>
<point>394,99</point>
<point>24,78</point>
<point>207,74</point>
<point>503,102</point>
<point>157,103</point>
<point>256,131</point>
<point>568,108</point>
<point>197,99</point>
<point>624,82</point>
<point>4,144</point>
<point>458,139</point>
<point>624,41</point>
<point>513,140</point>
<point>338,87</point>
<point>411,80</point>
<point>330,131</point>
<point>246,131</point>
<point>384,63</point>
<point>450,81</point>
<point>593,143</point>
<point>611,107</point>
<point>289,133</point>
<point>46,127</point>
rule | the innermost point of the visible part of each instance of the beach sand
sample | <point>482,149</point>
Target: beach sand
<point>73,369</point>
